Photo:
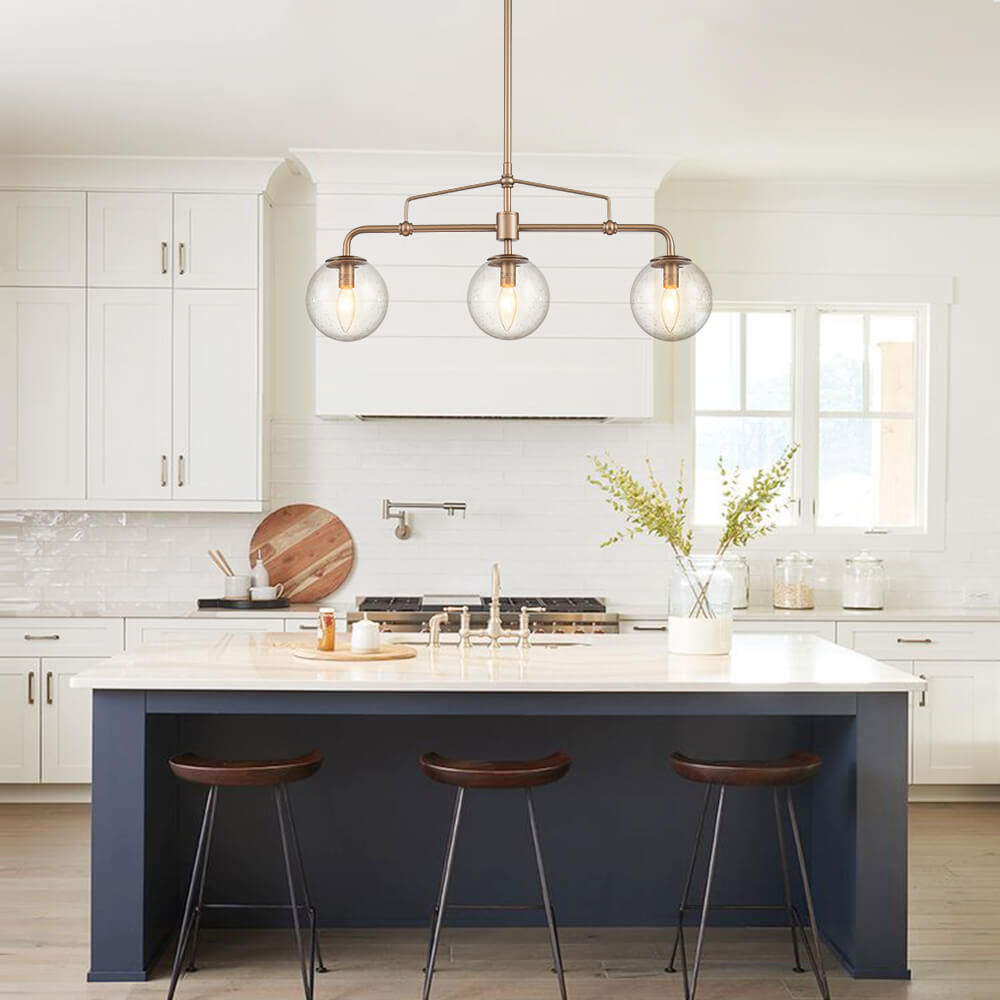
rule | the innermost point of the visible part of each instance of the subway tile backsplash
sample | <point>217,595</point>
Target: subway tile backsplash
<point>529,508</point>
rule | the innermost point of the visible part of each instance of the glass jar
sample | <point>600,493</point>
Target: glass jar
<point>863,585</point>
<point>701,606</point>
<point>793,582</point>
<point>739,570</point>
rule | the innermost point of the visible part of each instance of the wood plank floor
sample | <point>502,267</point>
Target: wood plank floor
<point>954,936</point>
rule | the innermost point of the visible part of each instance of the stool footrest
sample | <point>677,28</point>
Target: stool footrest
<point>494,906</point>
<point>254,906</point>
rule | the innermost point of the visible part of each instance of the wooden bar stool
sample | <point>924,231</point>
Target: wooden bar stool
<point>773,774</point>
<point>463,774</point>
<point>277,774</point>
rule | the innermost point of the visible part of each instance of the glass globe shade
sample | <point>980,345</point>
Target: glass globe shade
<point>340,311</point>
<point>508,297</point>
<point>675,312</point>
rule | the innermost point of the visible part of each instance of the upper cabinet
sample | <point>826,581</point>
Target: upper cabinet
<point>216,241</point>
<point>134,380</point>
<point>129,240</point>
<point>43,238</point>
<point>43,338</point>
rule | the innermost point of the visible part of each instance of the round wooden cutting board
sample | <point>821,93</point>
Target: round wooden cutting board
<point>306,548</point>
<point>392,651</point>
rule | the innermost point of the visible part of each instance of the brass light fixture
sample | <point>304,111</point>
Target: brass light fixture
<point>508,296</point>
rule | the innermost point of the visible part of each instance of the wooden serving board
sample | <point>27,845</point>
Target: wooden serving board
<point>306,548</point>
<point>393,651</point>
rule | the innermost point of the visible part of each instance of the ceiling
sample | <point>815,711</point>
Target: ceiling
<point>733,88</point>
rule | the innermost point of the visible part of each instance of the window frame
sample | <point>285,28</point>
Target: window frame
<point>930,427</point>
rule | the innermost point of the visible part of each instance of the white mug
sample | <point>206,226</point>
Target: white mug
<point>237,587</point>
<point>266,593</point>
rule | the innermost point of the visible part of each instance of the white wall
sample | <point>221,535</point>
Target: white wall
<point>529,505</point>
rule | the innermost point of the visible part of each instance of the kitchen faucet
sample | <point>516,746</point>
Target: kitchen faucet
<point>494,630</point>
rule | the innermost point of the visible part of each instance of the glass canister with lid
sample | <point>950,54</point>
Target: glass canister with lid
<point>793,582</point>
<point>863,585</point>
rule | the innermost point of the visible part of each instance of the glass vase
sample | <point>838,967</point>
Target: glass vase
<point>701,606</point>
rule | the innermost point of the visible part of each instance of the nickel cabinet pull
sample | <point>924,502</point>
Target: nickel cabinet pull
<point>649,628</point>
<point>923,694</point>
<point>163,470</point>
<point>181,258</point>
<point>163,258</point>
<point>30,638</point>
<point>31,687</point>
<point>48,688</point>
<point>180,470</point>
<point>310,627</point>
<point>916,641</point>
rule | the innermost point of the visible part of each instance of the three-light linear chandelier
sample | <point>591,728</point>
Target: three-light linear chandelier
<point>508,296</point>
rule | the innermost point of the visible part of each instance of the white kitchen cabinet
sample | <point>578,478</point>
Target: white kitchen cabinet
<point>129,402</point>
<point>20,720</point>
<point>65,721</point>
<point>43,238</point>
<point>658,626</point>
<point>140,630</point>
<point>129,240</point>
<point>216,416</point>
<point>956,725</point>
<point>43,339</point>
<point>216,240</point>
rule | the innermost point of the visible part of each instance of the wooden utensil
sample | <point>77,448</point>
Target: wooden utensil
<point>225,562</point>
<point>306,548</point>
<point>217,561</point>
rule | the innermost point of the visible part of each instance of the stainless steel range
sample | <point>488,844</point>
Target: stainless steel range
<point>586,615</point>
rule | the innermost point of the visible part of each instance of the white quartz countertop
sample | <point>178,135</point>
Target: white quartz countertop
<point>626,612</point>
<point>265,662</point>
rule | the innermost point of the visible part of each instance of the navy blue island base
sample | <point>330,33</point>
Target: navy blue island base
<point>617,831</point>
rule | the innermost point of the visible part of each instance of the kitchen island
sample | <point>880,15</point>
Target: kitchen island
<point>618,830</point>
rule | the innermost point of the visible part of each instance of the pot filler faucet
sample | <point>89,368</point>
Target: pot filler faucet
<point>494,630</point>
<point>395,510</point>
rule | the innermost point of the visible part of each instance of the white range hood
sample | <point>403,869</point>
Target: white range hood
<point>428,358</point>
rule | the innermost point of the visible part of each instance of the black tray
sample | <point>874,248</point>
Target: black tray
<point>241,604</point>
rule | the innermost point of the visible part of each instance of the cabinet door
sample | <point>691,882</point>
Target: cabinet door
<point>20,717</point>
<point>955,725</point>
<point>66,720</point>
<point>128,402</point>
<point>43,338</point>
<point>216,237</point>
<point>825,630</point>
<point>914,702</point>
<point>43,238</point>
<point>129,239</point>
<point>216,395</point>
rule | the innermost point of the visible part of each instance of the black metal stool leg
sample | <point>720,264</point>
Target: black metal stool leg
<point>200,861</point>
<point>305,966</point>
<point>690,878</point>
<point>816,952</point>
<point>790,909</point>
<point>320,966</point>
<point>191,967</point>
<point>449,860</point>
<point>708,893</point>
<point>546,901</point>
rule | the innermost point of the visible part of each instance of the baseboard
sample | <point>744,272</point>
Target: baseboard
<point>44,793</point>
<point>955,793</point>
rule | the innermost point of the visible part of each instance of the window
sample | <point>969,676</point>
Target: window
<point>846,383</point>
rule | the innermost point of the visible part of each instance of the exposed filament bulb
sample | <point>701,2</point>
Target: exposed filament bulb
<point>670,307</point>
<point>347,307</point>
<point>507,305</point>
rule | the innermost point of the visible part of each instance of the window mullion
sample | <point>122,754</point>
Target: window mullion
<point>806,421</point>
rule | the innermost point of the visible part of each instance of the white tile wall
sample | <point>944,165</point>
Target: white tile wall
<point>530,508</point>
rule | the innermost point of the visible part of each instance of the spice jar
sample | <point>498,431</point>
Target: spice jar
<point>739,570</point>
<point>863,586</point>
<point>326,635</point>
<point>793,582</point>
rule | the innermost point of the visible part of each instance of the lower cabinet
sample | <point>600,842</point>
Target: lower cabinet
<point>825,630</point>
<point>955,723</point>
<point>44,723</point>
<point>140,630</point>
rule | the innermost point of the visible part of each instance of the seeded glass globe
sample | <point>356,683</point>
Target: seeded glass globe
<point>676,312</point>
<point>346,313</point>
<point>508,297</point>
